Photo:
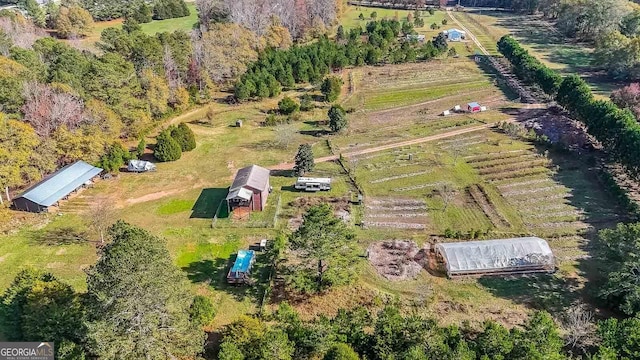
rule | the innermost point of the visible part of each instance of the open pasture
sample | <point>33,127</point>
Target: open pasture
<point>541,39</point>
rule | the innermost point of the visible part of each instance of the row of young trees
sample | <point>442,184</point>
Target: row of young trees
<point>275,69</point>
<point>137,305</point>
<point>615,128</point>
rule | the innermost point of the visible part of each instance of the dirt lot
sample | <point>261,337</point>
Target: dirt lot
<point>396,260</point>
<point>341,208</point>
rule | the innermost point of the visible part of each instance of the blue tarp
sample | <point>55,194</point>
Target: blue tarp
<point>243,261</point>
<point>61,183</point>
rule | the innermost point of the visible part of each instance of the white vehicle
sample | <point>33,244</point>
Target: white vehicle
<point>313,184</point>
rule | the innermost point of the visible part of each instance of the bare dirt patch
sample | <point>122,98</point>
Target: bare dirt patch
<point>341,208</point>
<point>561,130</point>
<point>396,260</point>
<point>151,197</point>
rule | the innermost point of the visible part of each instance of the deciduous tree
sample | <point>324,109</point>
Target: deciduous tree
<point>73,20</point>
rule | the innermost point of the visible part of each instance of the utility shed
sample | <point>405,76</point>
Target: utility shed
<point>496,257</point>
<point>473,107</point>
<point>241,269</point>
<point>56,187</point>
<point>250,189</point>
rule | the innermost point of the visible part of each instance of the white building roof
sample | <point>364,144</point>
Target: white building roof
<point>241,193</point>
<point>495,255</point>
<point>314,180</point>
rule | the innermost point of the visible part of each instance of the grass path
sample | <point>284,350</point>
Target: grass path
<point>288,166</point>
<point>469,33</point>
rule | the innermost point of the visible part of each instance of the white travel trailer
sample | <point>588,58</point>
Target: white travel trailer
<point>313,184</point>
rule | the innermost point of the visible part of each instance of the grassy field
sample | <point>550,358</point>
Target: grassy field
<point>539,37</point>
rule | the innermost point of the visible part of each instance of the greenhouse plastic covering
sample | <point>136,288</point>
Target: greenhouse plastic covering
<point>493,255</point>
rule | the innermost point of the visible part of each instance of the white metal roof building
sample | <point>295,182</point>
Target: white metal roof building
<point>56,187</point>
<point>504,256</point>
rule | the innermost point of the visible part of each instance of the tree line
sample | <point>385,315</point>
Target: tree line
<point>61,104</point>
<point>393,334</point>
<point>615,128</point>
<point>275,69</point>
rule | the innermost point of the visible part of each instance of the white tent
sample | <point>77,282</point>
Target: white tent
<point>517,255</point>
<point>140,166</point>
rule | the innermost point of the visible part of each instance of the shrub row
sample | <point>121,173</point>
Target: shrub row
<point>616,129</point>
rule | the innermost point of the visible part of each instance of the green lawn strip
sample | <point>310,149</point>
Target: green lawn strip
<point>402,97</point>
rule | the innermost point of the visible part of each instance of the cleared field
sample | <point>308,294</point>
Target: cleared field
<point>541,38</point>
<point>397,103</point>
<point>481,181</point>
<point>178,202</point>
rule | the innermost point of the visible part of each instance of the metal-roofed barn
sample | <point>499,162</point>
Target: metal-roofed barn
<point>250,189</point>
<point>56,187</point>
<point>494,257</point>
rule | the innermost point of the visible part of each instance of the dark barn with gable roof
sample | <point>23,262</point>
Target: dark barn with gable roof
<point>250,189</point>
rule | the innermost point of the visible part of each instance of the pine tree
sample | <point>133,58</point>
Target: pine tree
<point>142,145</point>
<point>167,149</point>
<point>304,160</point>
<point>326,251</point>
<point>184,136</point>
<point>337,118</point>
<point>139,301</point>
<point>331,87</point>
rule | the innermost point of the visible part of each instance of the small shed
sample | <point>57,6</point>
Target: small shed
<point>140,166</point>
<point>473,107</point>
<point>250,189</point>
<point>446,112</point>
<point>241,270</point>
<point>239,123</point>
<point>496,257</point>
<point>455,34</point>
<point>56,187</point>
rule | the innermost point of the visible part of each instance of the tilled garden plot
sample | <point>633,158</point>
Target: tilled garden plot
<point>395,213</point>
<point>397,260</point>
